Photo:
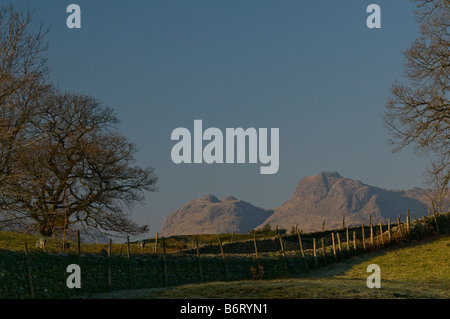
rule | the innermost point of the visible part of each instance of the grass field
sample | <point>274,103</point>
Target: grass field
<point>414,270</point>
<point>16,242</point>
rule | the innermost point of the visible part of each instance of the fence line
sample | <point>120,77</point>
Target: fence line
<point>30,278</point>
<point>297,251</point>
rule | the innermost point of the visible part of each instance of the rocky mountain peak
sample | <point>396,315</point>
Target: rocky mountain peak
<point>228,199</point>
<point>209,215</point>
<point>327,196</point>
<point>210,198</point>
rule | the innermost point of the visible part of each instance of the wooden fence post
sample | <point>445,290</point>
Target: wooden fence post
<point>109,265</point>
<point>339,245</point>
<point>256,246</point>
<point>324,254</point>
<point>128,247</point>
<point>224,259</point>
<point>408,225</point>
<point>128,261</point>
<point>315,254</point>
<point>434,216</point>
<point>354,241</point>
<point>389,231</point>
<point>198,258</point>
<point>363,237</point>
<point>284,255</point>
<point>348,241</point>
<point>29,271</point>
<point>301,250</point>
<point>381,234</point>
<point>166,276</point>
<point>371,237</point>
<point>334,246</point>
<point>377,237</point>
<point>155,249</point>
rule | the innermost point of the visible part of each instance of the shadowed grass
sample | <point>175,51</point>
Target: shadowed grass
<point>415,270</point>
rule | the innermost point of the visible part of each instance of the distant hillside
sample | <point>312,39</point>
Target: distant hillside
<point>209,215</point>
<point>328,196</point>
<point>325,196</point>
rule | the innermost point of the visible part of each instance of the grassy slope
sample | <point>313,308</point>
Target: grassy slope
<point>413,271</point>
<point>16,242</point>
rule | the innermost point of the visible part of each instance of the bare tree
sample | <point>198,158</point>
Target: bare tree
<point>419,113</point>
<point>439,194</point>
<point>81,173</point>
<point>23,74</point>
<point>62,160</point>
<point>21,60</point>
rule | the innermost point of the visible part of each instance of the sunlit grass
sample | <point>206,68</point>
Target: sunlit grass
<point>413,271</point>
<point>16,242</point>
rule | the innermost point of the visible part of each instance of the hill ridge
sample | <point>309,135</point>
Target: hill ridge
<point>326,196</point>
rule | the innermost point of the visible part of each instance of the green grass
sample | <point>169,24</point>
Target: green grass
<point>415,270</point>
<point>16,242</point>
<point>187,241</point>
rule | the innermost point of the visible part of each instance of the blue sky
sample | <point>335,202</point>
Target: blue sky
<point>310,68</point>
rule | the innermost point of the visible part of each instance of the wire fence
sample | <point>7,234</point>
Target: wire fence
<point>37,274</point>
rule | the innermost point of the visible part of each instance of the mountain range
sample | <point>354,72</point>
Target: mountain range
<point>326,196</point>
<point>209,215</point>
